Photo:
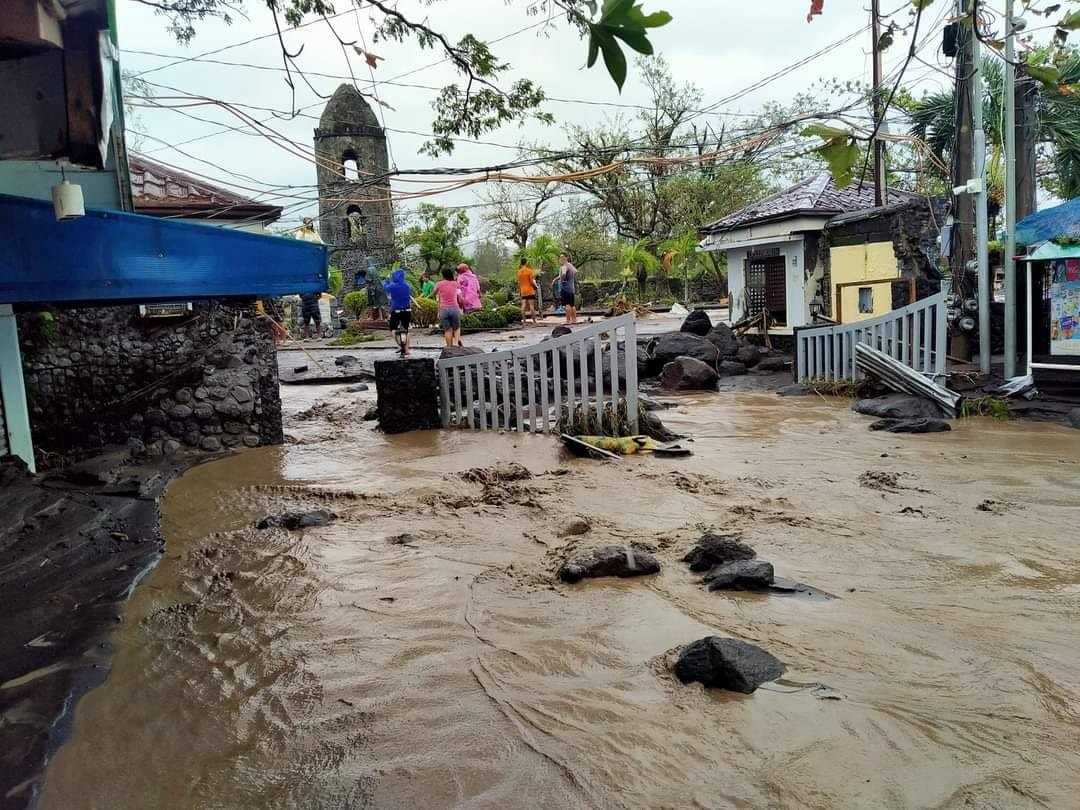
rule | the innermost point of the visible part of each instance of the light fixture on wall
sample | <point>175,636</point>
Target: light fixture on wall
<point>67,199</point>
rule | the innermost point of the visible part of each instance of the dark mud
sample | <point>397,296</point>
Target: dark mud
<point>72,546</point>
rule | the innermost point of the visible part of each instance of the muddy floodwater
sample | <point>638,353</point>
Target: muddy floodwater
<point>418,652</point>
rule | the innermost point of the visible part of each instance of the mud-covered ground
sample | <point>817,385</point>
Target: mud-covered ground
<point>419,652</point>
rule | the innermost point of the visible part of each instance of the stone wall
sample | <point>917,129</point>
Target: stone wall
<point>106,375</point>
<point>703,289</point>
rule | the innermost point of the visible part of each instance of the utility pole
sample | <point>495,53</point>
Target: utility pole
<point>978,186</point>
<point>880,194</point>
<point>962,248</point>
<point>1010,193</point>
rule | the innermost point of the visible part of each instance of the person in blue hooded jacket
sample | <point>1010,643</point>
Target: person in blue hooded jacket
<point>400,306</point>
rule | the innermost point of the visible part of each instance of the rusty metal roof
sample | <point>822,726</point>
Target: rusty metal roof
<point>814,196</point>
<point>162,191</point>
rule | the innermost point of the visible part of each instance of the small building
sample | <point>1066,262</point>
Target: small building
<point>1052,240</point>
<point>778,253</point>
<point>158,190</point>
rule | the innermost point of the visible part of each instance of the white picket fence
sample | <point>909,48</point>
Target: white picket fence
<point>916,335</point>
<point>540,387</point>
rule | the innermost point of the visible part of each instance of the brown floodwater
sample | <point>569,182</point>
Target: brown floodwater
<point>418,653</point>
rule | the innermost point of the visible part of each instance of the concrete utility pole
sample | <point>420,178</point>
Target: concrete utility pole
<point>880,193</point>
<point>1010,193</point>
<point>963,211</point>
<point>978,186</point>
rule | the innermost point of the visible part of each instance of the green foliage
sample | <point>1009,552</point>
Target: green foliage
<point>500,297</point>
<point>621,19</point>
<point>355,302</point>
<point>436,235</point>
<point>542,253</point>
<point>353,336</point>
<point>47,324</point>
<point>512,313</point>
<point>840,388</point>
<point>985,406</point>
<point>425,311</point>
<point>838,149</point>
<point>336,280</point>
<point>484,319</point>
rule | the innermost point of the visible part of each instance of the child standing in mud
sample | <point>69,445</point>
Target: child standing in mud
<point>448,294</point>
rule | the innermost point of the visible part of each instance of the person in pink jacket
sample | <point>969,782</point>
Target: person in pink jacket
<point>470,288</point>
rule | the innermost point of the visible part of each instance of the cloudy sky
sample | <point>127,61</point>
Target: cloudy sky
<point>723,46</point>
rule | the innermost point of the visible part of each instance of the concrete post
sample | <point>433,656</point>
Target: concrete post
<point>13,391</point>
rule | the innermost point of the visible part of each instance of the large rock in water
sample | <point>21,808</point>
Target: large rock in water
<point>898,406</point>
<point>911,425</point>
<point>671,345</point>
<point>608,561</point>
<point>749,574</point>
<point>727,663</point>
<point>772,364</point>
<point>723,339</point>
<point>408,394</point>
<point>730,368</point>
<point>697,323</point>
<point>688,374</point>
<point>717,549</point>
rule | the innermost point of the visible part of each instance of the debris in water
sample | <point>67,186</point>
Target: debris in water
<point>299,369</point>
<point>996,507</point>
<point>297,520</point>
<point>749,574</point>
<point>574,526</point>
<point>502,471</point>
<point>881,481</point>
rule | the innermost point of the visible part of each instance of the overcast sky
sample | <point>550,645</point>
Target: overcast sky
<point>721,45</point>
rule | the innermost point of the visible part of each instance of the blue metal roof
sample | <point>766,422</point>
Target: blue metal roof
<point>1052,223</point>
<point>116,256</point>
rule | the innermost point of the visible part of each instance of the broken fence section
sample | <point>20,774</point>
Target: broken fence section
<point>915,335</point>
<point>901,378</point>
<point>585,379</point>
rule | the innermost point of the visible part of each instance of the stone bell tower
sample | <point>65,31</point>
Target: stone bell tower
<point>355,215</point>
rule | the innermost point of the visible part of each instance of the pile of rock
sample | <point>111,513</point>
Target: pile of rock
<point>700,353</point>
<point>728,564</point>
<point>903,413</point>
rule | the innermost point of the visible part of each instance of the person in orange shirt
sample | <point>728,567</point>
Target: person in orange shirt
<point>527,288</point>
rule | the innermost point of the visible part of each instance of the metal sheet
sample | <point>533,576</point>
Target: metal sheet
<point>115,256</point>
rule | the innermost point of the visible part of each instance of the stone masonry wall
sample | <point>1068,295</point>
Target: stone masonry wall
<point>105,375</point>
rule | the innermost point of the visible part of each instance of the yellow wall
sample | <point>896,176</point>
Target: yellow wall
<point>872,260</point>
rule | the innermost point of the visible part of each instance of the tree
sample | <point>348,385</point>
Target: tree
<point>682,256</point>
<point>542,252</point>
<point>1057,114</point>
<point>653,197</point>
<point>481,104</point>
<point>436,237</point>
<point>638,261</point>
<point>583,231</point>
<point>515,209</point>
<point>490,257</point>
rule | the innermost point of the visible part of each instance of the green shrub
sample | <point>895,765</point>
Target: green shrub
<point>484,319</point>
<point>500,297</point>
<point>425,311</point>
<point>336,280</point>
<point>512,313</point>
<point>355,302</point>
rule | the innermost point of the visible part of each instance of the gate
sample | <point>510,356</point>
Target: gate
<point>584,377</point>
<point>916,335</point>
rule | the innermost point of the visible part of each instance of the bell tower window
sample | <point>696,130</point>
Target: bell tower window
<point>350,166</point>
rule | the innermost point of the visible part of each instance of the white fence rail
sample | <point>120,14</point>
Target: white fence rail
<point>541,387</point>
<point>915,335</point>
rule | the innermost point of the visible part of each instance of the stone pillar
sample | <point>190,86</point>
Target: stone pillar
<point>408,393</point>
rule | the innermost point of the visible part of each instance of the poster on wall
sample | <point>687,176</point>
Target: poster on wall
<point>1065,307</point>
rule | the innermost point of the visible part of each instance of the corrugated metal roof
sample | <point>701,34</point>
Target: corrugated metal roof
<point>814,196</point>
<point>159,190</point>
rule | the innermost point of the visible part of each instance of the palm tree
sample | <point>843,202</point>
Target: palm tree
<point>543,250</point>
<point>637,259</point>
<point>1058,127</point>
<point>682,253</point>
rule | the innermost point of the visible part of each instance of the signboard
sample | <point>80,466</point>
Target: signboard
<point>1065,307</point>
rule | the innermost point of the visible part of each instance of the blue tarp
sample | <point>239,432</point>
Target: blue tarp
<point>1053,223</point>
<point>115,256</point>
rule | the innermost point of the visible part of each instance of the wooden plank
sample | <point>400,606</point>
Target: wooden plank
<point>531,389</point>
<point>598,364</point>
<point>519,406</point>
<point>570,392</point>
<point>556,387</point>
<point>583,368</point>
<point>614,367</point>
<point>444,395</point>
<point>505,396</point>
<point>630,359</point>
<point>925,365</point>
